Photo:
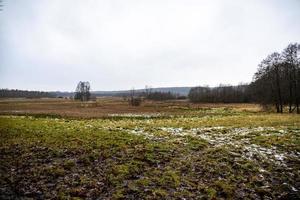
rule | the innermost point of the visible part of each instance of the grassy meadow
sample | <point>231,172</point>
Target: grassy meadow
<point>60,149</point>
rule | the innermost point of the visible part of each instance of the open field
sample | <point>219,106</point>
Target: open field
<point>104,107</point>
<point>161,150</point>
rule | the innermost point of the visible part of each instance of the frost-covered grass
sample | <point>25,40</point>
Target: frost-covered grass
<point>132,115</point>
<point>202,154</point>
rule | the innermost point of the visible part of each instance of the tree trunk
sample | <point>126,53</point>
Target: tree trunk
<point>290,93</point>
<point>277,108</point>
<point>278,89</point>
<point>297,82</point>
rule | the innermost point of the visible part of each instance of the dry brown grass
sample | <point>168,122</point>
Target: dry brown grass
<point>106,106</point>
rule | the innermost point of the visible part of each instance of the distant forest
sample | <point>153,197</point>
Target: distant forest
<point>6,93</point>
<point>221,94</point>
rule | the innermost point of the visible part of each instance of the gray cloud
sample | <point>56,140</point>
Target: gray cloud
<point>51,45</point>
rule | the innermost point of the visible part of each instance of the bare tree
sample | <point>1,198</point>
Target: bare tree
<point>82,92</point>
<point>134,101</point>
<point>220,94</point>
<point>148,90</point>
<point>291,66</point>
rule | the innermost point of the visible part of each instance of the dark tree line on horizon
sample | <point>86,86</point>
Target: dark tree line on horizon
<point>221,94</point>
<point>161,96</point>
<point>136,98</point>
<point>13,93</point>
<point>150,94</point>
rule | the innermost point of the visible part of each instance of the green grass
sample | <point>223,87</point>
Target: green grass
<point>136,158</point>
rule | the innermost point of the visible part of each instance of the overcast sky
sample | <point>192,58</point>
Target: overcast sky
<point>120,44</point>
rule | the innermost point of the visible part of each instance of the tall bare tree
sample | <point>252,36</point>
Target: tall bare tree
<point>290,61</point>
<point>134,99</point>
<point>82,92</point>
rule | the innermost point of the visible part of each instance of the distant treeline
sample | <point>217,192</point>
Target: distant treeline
<point>221,94</point>
<point>153,95</point>
<point>161,96</point>
<point>6,93</point>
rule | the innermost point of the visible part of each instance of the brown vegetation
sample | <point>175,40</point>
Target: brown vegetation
<point>106,106</point>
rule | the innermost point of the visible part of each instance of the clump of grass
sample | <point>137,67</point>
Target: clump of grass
<point>160,193</point>
<point>211,193</point>
<point>69,164</point>
<point>225,188</point>
<point>195,143</point>
<point>54,171</point>
<point>170,178</point>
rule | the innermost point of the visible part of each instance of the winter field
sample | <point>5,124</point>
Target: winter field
<point>61,149</point>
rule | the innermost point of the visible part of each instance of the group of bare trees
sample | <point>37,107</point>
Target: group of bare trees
<point>220,94</point>
<point>277,81</point>
<point>82,92</point>
<point>134,100</point>
<point>150,94</point>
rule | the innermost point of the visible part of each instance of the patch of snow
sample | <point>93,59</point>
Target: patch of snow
<point>129,115</point>
<point>238,138</point>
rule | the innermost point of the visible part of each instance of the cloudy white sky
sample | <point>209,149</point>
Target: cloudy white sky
<point>120,44</point>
